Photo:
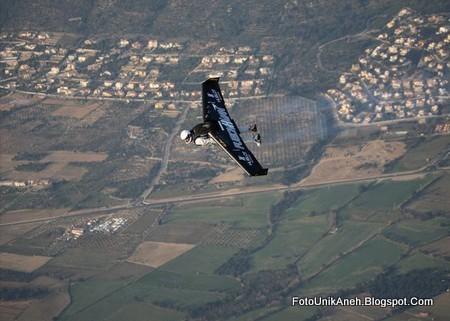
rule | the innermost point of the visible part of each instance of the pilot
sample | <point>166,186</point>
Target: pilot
<point>199,135</point>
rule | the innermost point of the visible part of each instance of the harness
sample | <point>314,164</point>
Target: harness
<point>201,130</point>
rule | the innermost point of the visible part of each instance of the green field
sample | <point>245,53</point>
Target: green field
<point>387,195</point>
<point>347,236</point>
<point>183,232</point>
<point>382,200</point>
<point>145,311</point>
<point>421,154</point>
<point>250,211</point>
<point>201,259</point>
<point>184,282</point>
<point>302,226</point>
<point>180,298</point>
<point>254,314</point>
<point>293,314</point>
<point>435,197</point>
<point>143,222</point>
<point>419,261</point>
<point>292,239</point>
<point>100,259</point>
<point>84,294</point>
<point>134,311</point>
<point>87,292</point>
<point>323,200</point>
<point>439,311</point>
<point>101,300</point>
<point>416,232</point>
<point>146,294</point>
<point>190,281</point>
<point>359,266</point>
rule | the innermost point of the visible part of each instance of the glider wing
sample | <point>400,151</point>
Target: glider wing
<point>226,134</point>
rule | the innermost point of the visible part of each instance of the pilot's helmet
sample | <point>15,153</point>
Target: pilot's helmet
<point>186,135</point>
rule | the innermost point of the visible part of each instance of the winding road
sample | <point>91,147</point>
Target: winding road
<point>166,154</point>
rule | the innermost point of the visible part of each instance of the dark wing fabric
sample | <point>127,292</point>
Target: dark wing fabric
<point>243,157</point>
<point>212,100</point>
<point>226,134</point>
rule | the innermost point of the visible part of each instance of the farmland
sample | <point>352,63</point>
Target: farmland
<point>381,201</point>
<point>245,211</point>
<point>436,197</point>
<point>422,261</point>
<point>224,248</point>
<point>85,293</point>
<point>21,262</point>
<point>144,294</point>
<point>335,244</point>
<point>43,308</point>
<point>438,312</point>
<point>180,289</point>
<point>155,254</point>
<point>296,314</point>
<point>440,247</point>
<point>94,259</point>
<point>355,161</point>
<point>388,194</point>
<point>190,233</point>
<point>202,259</point>
<point>67,152</point>
<point>417,232</point>
<point>9,233</point>
<point>357,267</point>
<point>348,248</point>
<point>207,282</point>
<point>422,153</point>
<point>73,110</point>
<point>57,166</point>
<point>292,239</point>
<point>178,261</point>
<point>323,200</point>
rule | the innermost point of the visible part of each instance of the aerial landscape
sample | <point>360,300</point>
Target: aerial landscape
<point>106,214</point>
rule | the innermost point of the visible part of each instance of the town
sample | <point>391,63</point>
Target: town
<point>404,76</point>
<point>125,69</point>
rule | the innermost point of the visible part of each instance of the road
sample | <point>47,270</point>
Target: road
<point>235,192</point>
<point>166,153</point>
<point>278,187</point>
<point>128,100</point>
<point>365,34</point>
<point>89,211</point>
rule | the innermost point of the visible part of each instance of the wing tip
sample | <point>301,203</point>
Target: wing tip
<point>262,172</point>
<point>211,79</point>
